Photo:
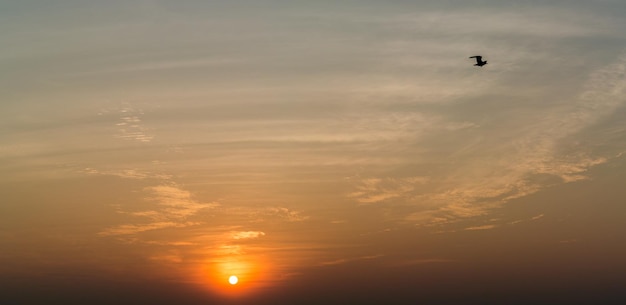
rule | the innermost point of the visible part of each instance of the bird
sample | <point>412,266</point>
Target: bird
<point>479,60</point>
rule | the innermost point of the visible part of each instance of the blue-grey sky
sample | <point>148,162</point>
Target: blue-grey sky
<point>302,145</point>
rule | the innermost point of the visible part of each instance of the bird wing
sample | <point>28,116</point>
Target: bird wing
<point>478,57</point>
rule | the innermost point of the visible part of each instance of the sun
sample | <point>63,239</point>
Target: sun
<point>233,279</point>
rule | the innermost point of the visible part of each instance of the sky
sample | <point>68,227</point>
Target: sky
<point>324,152</point>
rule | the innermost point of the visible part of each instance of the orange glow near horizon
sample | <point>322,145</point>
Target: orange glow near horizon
<point>232,276</point>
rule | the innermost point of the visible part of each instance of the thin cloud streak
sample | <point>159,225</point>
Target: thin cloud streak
<point>173,207</point>
<point>130,126</point>
<point>529,22</point>
<point>247,235</point>
<point>425,261</point>
<point>163,66</point>
<point>134,229</point>
<point>348,260</point>
<point>477,228</point>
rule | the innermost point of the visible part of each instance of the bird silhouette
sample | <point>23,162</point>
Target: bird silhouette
<point>479,60</point>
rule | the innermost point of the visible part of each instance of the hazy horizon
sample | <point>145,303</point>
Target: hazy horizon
<point>322,152</point>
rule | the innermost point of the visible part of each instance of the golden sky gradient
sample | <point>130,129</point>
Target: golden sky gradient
<point>324,152</point>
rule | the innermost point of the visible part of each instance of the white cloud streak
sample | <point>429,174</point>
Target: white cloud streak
<point>478,228</point>
<point>247,235</point>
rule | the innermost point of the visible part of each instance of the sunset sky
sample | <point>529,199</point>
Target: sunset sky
<point>324,152</point>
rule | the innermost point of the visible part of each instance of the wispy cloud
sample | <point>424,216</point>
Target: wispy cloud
<point>527,21</point>
<point>127,173</point>
<point>171,243</point>
<point>484,227</point>
<point>423,261</point>
<point>515,165</point>
<point>174,206</point>
<point>272,213</point>
<point>176,202</point>
<point>372,190</point>
<point>161,65</point>
<point>530,219</point>
<point>247,234</point>
<point>130,127</point>
<point>348,260</point>
<point>169,258</point>
<point>134,229</point>
<point>538,217</point>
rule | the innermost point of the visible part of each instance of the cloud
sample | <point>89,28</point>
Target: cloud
<point>134,229</point>
<point>347,260</point>
<point>229,250</point>
<point>171,243</point>
<point>424,261</point>
<point>538,217</point>
<point>247,234</point>
<point>373,190</point>
<point>484,227</point>
<point>161,65</point>
<point>530,219</point>
<point>261,214</point>
<point>176,203</point>
<point>571,171</point>
<point>519,156</point>
<point>544,22</point>
<point>127,173</point>
<point>169,258</point>
<point>130,127</point>
<point>173,207</point>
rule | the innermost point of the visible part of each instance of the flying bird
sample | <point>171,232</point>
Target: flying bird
<point>479,60</point>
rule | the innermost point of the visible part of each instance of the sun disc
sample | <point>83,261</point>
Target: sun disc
<point>233,280</point>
